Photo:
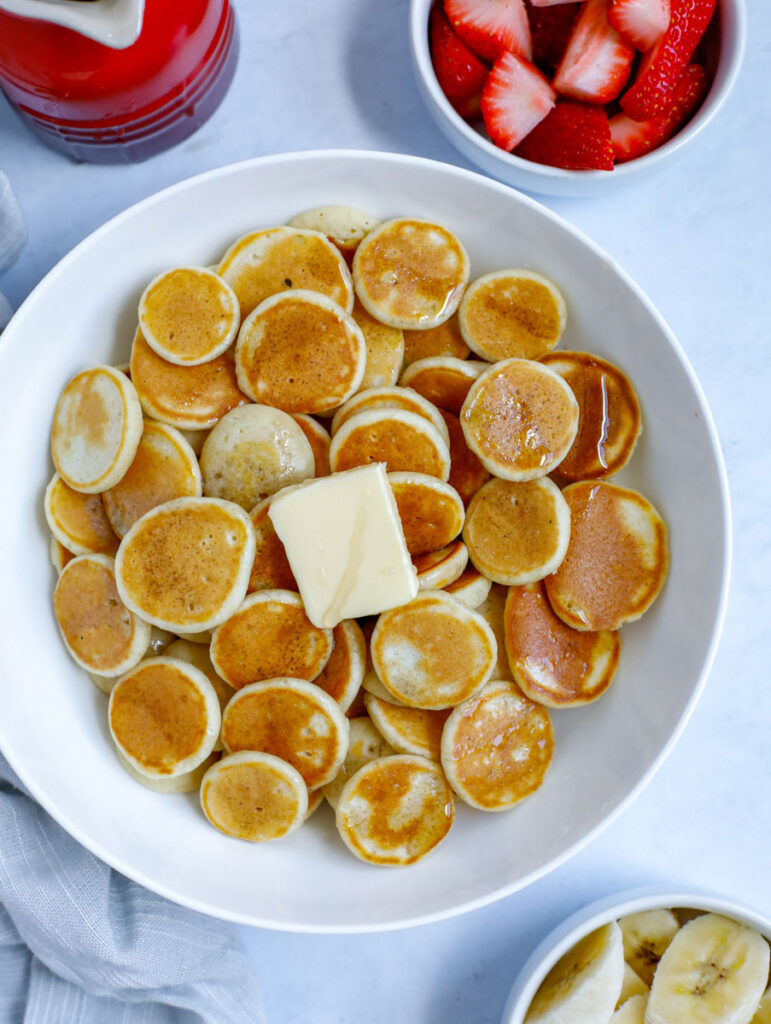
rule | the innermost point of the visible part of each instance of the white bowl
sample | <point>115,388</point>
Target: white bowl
<point>53,727</point>
<point>585,921</point>
<point>556,181</point>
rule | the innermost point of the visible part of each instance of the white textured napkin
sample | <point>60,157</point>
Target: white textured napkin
<point>13,234</point>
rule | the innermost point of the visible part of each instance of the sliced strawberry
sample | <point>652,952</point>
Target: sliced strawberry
<point>635,138</point>
<point>575,136</point>
<point>515,98</point>
<point>640,22</point>
<point>550,3</point>
<point>470,108</point>
<point>550,28</point>
<point>653,91</point>
<point>490,27</point>
<point>597,61</point>
<point>460,74</point>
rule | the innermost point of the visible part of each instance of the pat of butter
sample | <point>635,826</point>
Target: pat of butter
<point>345,544</point>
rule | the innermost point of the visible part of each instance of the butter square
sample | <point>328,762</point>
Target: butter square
<point>345,544</point>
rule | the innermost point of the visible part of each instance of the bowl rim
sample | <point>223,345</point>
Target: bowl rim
<point>94,844</point>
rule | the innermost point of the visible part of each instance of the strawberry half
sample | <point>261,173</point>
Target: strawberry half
<point>550,3</point>
<point>459,73</point>
<point>491,27</point>
<point>654,88</point>
<point>515,98</point>
<point>575,136</point>
<point>635,138</point>
<point>641,22</point>
<point>597,61</point>
<point>469,108</point>
<point>550,28</point>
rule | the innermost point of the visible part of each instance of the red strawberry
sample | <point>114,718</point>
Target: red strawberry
<point>597,61</point>
<point>652,93</point>
<point>459,73</point>
<point>574,135</point>
<point>490,27</point>
<point>470,108</point>
<point>640,22</point>
<point>549,3</point>
<point>635,138</point>
<point>550,28</point>
<point>515,98</point>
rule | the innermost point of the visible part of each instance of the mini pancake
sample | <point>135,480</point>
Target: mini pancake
<point>617,559</point>
<point>512,314</point>
<point>431,511</point>
<point>395,810</point>
<point>164,717</point>
<point>609,421</point>
<point>253,452</point>
<point>188,397</point>
<point>96,430</point>
<point>365,744</point>
<point>492,610</point>
<point>318,438</point>
<point>268,636</point>
<point>402,440</point>
<point>552,663</point>
<point>189,315</point>
<point>187,782</point>
<point>408,730</point>
<point>385,349</point>
<point>198,655</point>
<point>433,652</point>
<point>185,565</point>
<point>520,418</point>
<point>293,720</point>
<point>471,587</point>
<point>390,398</point>
<point>315,800</point>
<point>410,273</point>
<point>195,438</point>
<point>78,521</point>
<point>496,747</point>
<point>99,631</point>
<point>358,707</point>
<point>517,532</point>
<point>437,569</point>
<point>342,675</point>
<point>203,637</point>
<point>60,556</point>
<point>159,640</point>
<point>344,226</point>
<point>444,340</point>
<point>443,380</point>
<point>300,352</point>
<point>467,474</point>
<point>254,796</point>
<point>164,468</point>
<point>266,262</point>
<point>271,569</point>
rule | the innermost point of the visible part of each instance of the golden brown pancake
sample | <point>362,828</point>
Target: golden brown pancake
<point>318,439</point>
<point>385,349</point>
<point>266,262</point>
<point>492,611</point>
<point>496,747</point>
<point>410,273</point>
<point>467,474</point>
<point>431,511</point>
<point>300,352</point>
<point>395,810</point>
<point>342,675</point>
<point>433,652</point>
<point>408,730</point>
<point>358,708</point>
<point>552,663</point>
<point>315,800</point>
<point>609,420</point>
<point>402,440</point>
<point>365,744</point>
<point>269,635</point>
<point>437,569</point>
<point>617,559</point>
<point>444,340</point>
<point>198,655</point>
<point>60,556</point>
<point>471,587</point>
<point>77,520</point>
<point>390,398</point>
<point>443,380</point>
<point>271,569</point>
<point>512,314</point>
<point>185,565</point>
<point>372,685</point>
<point>189,397</point>
<point>293,720</point>
<point>164,467</point>
<point>520,418</point>
<point>344,226</point>
<point>516,532</point>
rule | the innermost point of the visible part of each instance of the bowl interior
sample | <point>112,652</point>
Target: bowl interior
<point>53,726</point>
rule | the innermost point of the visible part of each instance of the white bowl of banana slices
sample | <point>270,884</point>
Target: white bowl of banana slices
<point>649,957</point>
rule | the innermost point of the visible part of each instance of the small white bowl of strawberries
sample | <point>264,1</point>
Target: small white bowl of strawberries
<point>568,98</point>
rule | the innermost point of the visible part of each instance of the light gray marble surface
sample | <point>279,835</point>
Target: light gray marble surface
<point>336,73</point>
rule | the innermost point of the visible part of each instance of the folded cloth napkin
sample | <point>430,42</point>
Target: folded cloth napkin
<point>81,944</point>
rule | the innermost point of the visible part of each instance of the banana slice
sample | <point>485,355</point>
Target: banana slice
<point>631,1012</point>
<point>632,985</point>
<point>713,972</point>
<point>583,987</point>
<point>763,1012</point>
<point>646,937</point>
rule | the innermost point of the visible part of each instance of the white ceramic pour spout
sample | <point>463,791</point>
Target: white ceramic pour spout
<point>114,23</point>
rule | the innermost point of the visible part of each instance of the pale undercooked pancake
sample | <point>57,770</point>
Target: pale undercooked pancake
<point>552,663</point>
<point>410,273</point>
<point>293,720</point>
<point>342,675</point>
<point>96,429</point>
<point>198,655</point>
<point>254,796</point>
<point>189,315</point>
<point>164,468</point>
<point>78,521</point>
<point>431,511</point>
<point>318,439</point>
<point>344,226</point>
<point>266,262</point>
<point>385,349</point>
<point>444,340</point>
<point>617,559</point>
<point>471,587</point>
<point>402,440</point>
<point>365,744</point>
<point>271,569</point>
<point>443,380</point>
<point>185,565</point>
<point>60,555</point>
<point>253,452</point>
<point>496,747</point>
<point>390,398</point>
<point>269,635</point>
<point>186,782</point>
<point>433,652</point>
<point>512,314</point>
<point>300,352</point>
<point>467,474</point>
<point>520,418</point>
<point>437,569</point>
<point>101,634</point>
<point>395,810</point>
<point>408,730</point>
<point>492,610</point>
<point>609,421</point>
<point>517,532</point>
